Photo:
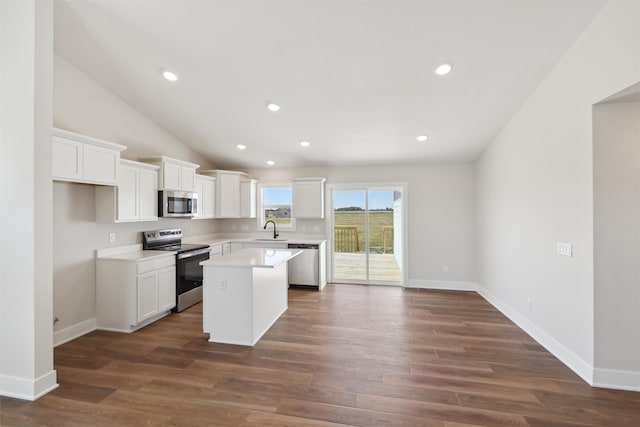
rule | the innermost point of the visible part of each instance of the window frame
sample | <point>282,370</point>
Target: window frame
<point>261,206</point>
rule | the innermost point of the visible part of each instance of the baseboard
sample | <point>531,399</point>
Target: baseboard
<point>566,356</point>
<point>27,389</point>
<point>445,285</point>
<point>620,380</point>
<point>73,332</point>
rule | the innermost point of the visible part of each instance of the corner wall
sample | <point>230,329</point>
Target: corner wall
<point>616,193</point>
<point>26,50</point>
<point>535,188</point>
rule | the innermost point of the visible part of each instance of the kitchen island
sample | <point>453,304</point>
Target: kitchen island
<point>244,293</point>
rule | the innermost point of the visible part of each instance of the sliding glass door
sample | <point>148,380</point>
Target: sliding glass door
<point>367,235</point>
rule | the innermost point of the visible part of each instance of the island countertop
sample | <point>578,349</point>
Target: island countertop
<point>253,258</point>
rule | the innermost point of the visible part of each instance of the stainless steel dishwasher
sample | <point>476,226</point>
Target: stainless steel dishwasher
<point>304,269</point>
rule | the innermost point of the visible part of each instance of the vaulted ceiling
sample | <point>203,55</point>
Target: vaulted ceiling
<point>354,78</point>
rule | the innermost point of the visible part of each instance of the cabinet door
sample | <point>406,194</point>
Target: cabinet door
<point>148,194</point>
<point>200,203</point>
<point>127,194</point>
<point>147,285</point>
<point>308,199</point>
<point>67,159</point>
<point>228,196</point>
<point>171,176</point>
<point>188,179</point>
<point>206,204</point>
<point>248,199</point>
<point>235,247</point>
<point>166,289</point>
<point>100,165</point>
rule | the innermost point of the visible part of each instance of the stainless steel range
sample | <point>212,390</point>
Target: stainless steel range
<point>188,268</point>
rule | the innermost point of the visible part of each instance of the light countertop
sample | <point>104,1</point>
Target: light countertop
<point>253,258</point>
<point>212,241</point>
<point>131,253</point>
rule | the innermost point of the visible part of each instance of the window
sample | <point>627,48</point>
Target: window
<point>275,205</point>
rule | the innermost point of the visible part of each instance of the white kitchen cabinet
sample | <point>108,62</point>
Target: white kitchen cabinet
<point>134,289</point>
<point>248,198</point>
<point>135,198</point>
<point>235,247</point>
<point>227,192</point>
<point>205,187</point>
<point>174,174</point>
<point>226,248</point>
<point>156,292</point>
<point>79,158</point>
<point>308,197</point>
<point>147,295</point>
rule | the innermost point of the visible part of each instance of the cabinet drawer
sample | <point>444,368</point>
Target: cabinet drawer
<point>154,264</point>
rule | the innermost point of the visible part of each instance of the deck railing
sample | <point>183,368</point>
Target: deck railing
<point>345,239</point>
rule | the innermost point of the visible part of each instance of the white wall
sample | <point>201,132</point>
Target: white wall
<point>616,159</point>
<point>26,49</point>
<point>83,106</point>
<point>534,188</point>
<point>441,212</point>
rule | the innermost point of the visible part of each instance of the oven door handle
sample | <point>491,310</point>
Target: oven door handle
<point>194,253</point>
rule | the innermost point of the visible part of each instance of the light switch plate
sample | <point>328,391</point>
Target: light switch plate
<point>565,249</point>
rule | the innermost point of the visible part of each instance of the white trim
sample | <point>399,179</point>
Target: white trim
<point>620,380</point>
<point>566,356</point>
<point>448,285</point>
<point>74,331</point>
<point>27,389</point>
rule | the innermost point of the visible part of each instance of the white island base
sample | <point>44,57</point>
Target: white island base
<point>244,293</point>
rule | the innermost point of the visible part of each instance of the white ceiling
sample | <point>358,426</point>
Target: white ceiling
<point>353,77</point>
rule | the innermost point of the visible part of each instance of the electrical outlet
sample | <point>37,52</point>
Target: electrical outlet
<point>530,301</point>
<point>565,249</point>
<point>244,227</point>
<point>445,269</point>
<point>112,237</point>
<point>223,283</point>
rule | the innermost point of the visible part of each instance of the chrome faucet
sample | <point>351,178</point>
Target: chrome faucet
<point>275,233</point>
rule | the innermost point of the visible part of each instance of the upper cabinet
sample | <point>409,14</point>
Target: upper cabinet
<point>308,197</point>
<point>227,192</point>
<point>206,189</point>
<point>134,199</point>
<point>174,174</point>
<point>248,198</point>
<point>80,158</point>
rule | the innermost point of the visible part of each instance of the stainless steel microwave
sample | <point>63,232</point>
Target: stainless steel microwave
<point>177,204</point>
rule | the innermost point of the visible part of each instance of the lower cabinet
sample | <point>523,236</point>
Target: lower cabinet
<point>131,293</point>
<point>156,292</point>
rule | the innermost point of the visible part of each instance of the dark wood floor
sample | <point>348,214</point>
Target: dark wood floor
<point>350,355</point>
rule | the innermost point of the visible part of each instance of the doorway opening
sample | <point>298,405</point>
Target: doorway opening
<point>367,228</point>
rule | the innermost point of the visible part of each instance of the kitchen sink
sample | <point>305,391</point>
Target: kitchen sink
<point>270,240</point>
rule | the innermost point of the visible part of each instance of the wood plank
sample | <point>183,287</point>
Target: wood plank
<point>349,355</point>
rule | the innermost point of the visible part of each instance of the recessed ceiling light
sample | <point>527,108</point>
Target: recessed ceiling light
<point>423,137</point>
<point>305,143</point>
<point>271,162</point>
<point>443,69</point>
<point>241,147</point>
<point>171,76</point>
<point>273,107</point>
